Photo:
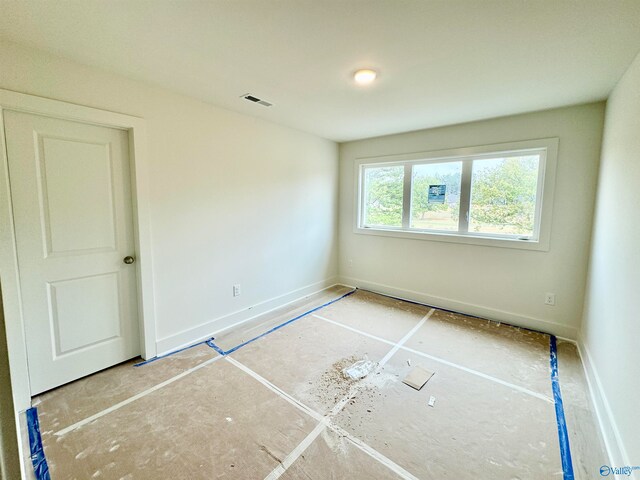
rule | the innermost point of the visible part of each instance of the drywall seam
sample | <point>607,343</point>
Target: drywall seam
<point>538,324</point>
<point>606,421</point>
<point>440,360</point>
<point>234,319</point>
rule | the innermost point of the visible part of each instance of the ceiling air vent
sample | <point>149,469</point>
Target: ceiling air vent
<point>254,99</point>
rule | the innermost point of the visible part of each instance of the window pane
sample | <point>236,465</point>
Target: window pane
<point>383,196</point>
<point>503,195</point>
<point>435,196</point>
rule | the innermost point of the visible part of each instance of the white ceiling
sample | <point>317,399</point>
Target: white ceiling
<point>440,61</point>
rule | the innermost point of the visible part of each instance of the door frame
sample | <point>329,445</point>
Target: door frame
<point>10,282</point>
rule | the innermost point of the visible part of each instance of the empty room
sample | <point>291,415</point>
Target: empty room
<point>319,239</point>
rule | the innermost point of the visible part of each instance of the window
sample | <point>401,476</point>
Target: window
<point>503,195</point>
<point>383,193</point>
<point>435,196</point>
<point>486,195</point>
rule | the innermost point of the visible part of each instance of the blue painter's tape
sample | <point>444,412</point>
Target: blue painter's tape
<point>40,466</point>
<point>171,353</point>
<point>227,352</point>
<point>454,311</point>
<point>412,302</point>
<point>563,435</point>
<point>214,346</point>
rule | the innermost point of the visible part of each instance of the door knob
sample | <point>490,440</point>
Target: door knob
<point>128,259</point>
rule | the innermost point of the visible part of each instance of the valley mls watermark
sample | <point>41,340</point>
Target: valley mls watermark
<point>606,470</point>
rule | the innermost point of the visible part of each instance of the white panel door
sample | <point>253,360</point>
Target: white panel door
<point>71,193</point>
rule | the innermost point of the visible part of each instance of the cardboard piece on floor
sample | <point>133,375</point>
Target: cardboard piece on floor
<point>417,377</point>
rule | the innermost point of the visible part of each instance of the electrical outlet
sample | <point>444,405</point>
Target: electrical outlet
<point>236,290</point>
<point>550,299</point>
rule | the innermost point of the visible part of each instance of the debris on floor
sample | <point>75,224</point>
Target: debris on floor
<point>377,412</point>
<point>417,377</point>
<point>266,450</point>
<point>333,385</point>
<point>359,370</point>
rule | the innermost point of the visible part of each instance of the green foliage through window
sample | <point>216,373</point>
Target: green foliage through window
<point>384,196</point>
<point>436,216</point>
<point>501,195</point>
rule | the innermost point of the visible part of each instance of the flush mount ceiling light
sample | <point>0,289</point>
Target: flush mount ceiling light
<point>365,76</point>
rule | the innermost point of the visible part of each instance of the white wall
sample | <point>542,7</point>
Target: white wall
<point>234,199</point>
<point>610,334</point>
<point>499,283</point>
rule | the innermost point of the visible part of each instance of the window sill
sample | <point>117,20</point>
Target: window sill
<point>536,245</point>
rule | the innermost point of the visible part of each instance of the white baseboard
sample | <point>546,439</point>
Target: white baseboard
<point>214,327</point>
<point>610,433</point>
<point>532,323</point>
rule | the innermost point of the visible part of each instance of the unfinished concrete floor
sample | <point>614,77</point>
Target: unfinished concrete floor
<point>279,406</point>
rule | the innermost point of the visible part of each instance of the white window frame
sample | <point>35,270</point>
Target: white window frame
<point>547,148</point>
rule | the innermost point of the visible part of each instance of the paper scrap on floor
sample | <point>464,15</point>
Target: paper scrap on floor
<point>417,377</point>
<point>359,370</point>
